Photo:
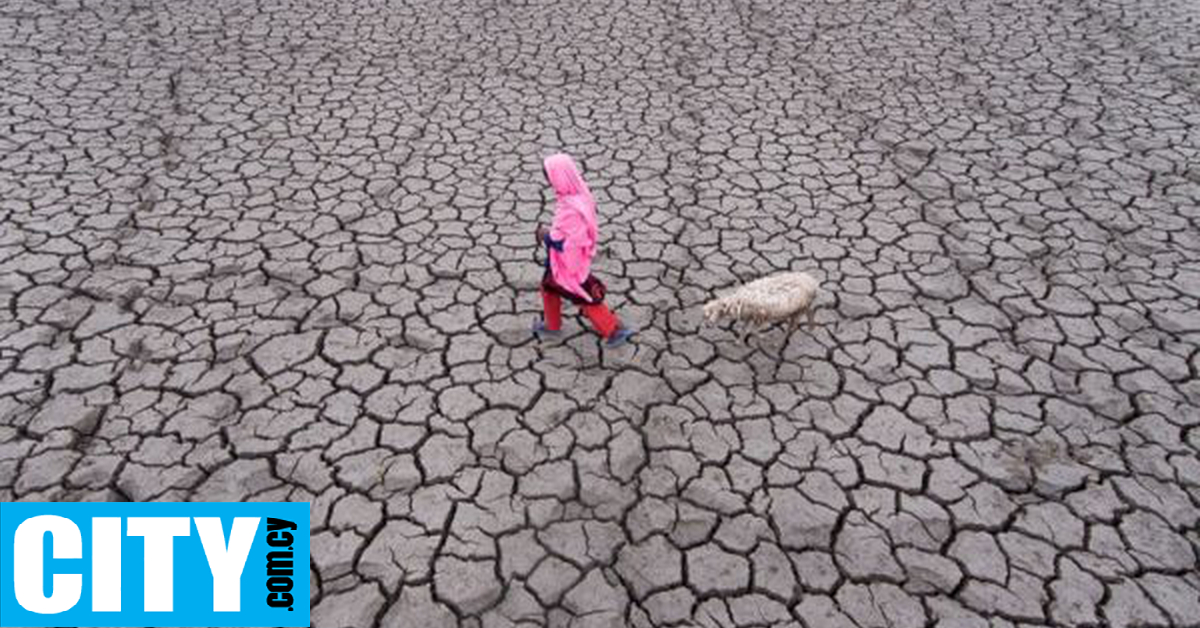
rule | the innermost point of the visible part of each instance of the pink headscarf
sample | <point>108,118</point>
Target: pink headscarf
<point>574,224</point>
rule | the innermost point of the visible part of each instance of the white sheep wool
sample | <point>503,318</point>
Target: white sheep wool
<point>783,297</point>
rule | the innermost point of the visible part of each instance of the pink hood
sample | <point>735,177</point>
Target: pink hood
<point>574,224</point>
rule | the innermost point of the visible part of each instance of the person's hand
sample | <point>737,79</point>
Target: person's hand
<point>541,233</point>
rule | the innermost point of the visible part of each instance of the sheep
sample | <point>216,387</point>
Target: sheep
<point>774,299</point>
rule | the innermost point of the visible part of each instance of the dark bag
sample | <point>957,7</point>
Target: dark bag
<point>592,286</point>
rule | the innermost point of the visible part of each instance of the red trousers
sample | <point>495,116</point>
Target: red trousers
<point>600,316</point>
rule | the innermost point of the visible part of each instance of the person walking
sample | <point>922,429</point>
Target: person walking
<point>570,245</point>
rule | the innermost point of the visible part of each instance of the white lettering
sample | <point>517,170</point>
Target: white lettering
<point>106,564</point>
<point>226,564</point>
<point>65,542</point>
<point>159,533</point>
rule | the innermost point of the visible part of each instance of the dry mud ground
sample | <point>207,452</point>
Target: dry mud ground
<point>282,250</point>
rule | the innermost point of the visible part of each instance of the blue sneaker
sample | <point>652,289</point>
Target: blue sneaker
<point>619,337</point>
<point>540,331</point>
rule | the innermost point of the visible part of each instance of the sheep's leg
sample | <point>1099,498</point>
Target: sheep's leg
<point>793,323</point>
<point>764,328</point>
<point>758,336</point>
<point>811,313</point>
<point>748,329</point>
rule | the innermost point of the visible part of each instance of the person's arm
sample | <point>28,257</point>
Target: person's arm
<point>544,239</point>
<point>574,256</point>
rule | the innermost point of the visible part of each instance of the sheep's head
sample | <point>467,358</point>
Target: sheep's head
<point>714,310</point>
<point>724,307</point>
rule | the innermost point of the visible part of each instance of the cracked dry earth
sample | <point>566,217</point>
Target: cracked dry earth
<point>282,251</point>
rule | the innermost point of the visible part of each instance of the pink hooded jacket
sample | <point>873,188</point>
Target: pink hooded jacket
<point>574,224</point>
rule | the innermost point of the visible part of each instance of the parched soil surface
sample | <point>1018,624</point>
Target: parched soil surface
<point>283,250</point>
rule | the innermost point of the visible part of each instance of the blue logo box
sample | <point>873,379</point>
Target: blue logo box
<point>154,564</point>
